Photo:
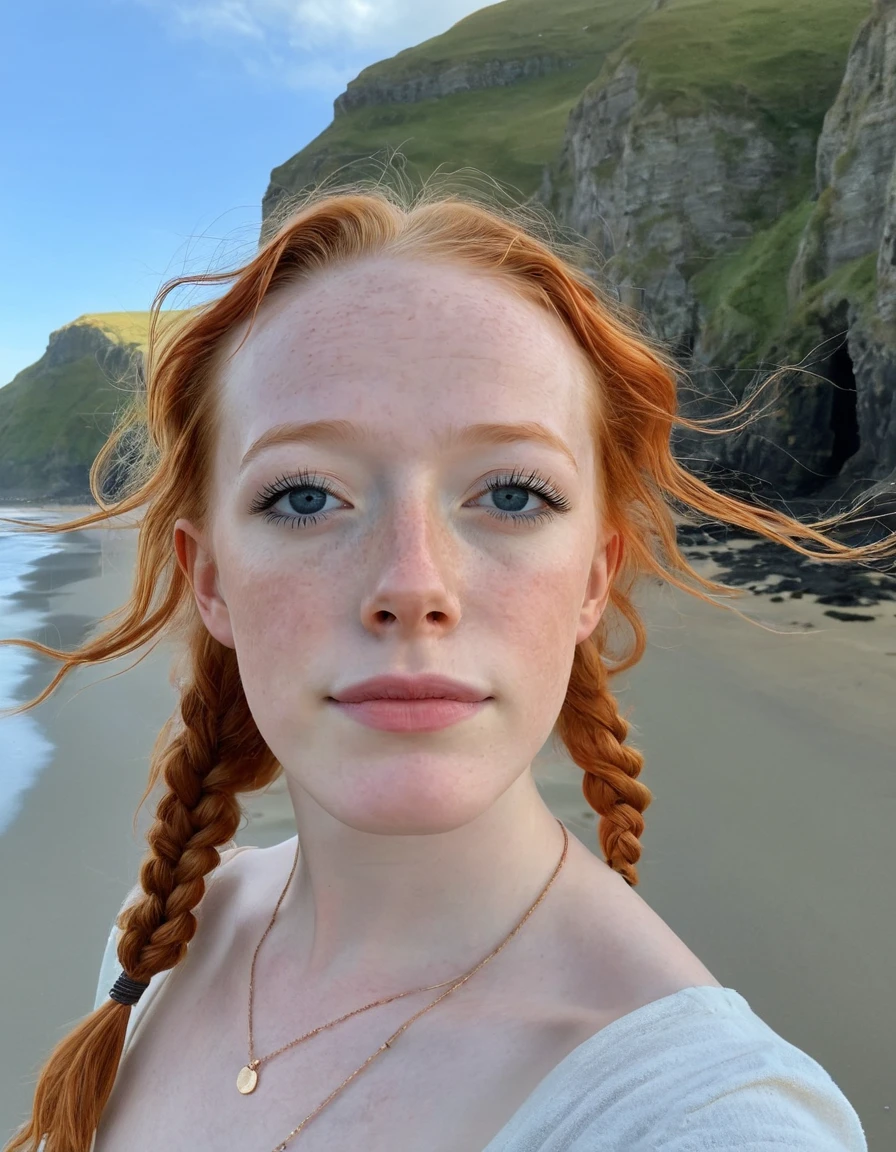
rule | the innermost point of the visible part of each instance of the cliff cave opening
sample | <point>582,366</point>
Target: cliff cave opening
<point>844,424</point>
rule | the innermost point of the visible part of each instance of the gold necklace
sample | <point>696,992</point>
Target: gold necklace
<point>248,1076</point>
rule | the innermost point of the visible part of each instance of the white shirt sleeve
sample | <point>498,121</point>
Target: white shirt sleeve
<point>696,1071</point>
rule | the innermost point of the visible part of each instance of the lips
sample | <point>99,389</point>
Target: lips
<point>427,715</point>
<point>397,687</point>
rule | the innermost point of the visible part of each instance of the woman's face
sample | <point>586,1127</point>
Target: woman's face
<point>410,563</point>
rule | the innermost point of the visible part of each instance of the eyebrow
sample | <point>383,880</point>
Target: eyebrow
<point>347,432</point>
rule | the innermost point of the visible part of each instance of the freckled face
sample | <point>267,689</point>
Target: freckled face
<point>409,563</point>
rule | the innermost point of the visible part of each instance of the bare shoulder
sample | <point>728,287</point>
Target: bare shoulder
<point>235,888</point>
<point>624,954</point>
<point>247,864</point>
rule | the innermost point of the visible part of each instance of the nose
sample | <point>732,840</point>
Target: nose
<point>412,580</point>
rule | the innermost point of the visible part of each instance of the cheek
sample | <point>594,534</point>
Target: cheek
<point>281,620</point>
<point>536,629</point>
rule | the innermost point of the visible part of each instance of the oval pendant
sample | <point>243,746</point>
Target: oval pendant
<point>247,1080</point>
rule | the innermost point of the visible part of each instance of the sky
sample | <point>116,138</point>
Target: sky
<point>138,137</point>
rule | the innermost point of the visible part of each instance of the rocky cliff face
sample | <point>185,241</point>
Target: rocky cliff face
<point>873,331</point>
<point>661,193</point>
<point>444,80</point>
<point>855,154</point>
<point>79,339</point>
<point>886,260</point>
<point>667,196</point>
<point>846,261</point>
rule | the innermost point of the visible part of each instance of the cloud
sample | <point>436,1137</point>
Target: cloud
<point>320,44</point>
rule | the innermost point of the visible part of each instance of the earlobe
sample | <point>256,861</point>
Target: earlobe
<point>199,568</point>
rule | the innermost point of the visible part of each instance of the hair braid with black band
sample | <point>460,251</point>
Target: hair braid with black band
<point>218,754</point>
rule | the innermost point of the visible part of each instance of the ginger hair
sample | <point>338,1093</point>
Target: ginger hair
<point>165,437</point>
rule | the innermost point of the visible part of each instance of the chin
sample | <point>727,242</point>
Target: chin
<point>390,814</point>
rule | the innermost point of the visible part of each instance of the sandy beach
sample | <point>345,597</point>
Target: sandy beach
<point>768,848</point>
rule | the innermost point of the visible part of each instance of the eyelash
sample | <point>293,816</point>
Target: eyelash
<point>269,496</point>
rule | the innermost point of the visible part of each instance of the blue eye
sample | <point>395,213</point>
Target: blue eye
<point>305,483</point>
<point>533,484</point>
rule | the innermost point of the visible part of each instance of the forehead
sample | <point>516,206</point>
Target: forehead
<point>404,347</point>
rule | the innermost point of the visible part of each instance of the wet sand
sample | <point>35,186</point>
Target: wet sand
<point>768,847</point>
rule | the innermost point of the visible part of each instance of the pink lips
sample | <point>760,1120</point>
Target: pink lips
<point>410,715</point>
<point>395,703</point>
<point>397,687</point>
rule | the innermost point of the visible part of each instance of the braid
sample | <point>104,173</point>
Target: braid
<point>594,733</point>
<point>218,754</point>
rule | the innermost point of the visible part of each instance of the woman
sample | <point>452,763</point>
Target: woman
<point>411,441</point>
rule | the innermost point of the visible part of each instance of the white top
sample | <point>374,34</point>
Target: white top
<point>692,1072</point>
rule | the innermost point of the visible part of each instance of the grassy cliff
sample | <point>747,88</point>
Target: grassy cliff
<point>783,60</point>
<point>780,65</point>
<point>510,131</point>
<point>56,414</point>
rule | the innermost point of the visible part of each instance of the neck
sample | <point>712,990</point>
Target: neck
<point>382,911</point>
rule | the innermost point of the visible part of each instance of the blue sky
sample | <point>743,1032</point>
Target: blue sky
<point>139,136</point>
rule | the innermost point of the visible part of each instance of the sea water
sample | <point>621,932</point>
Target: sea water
<point>24,750</point>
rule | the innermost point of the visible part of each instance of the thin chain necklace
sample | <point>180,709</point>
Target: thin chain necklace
<point>247,1079</point>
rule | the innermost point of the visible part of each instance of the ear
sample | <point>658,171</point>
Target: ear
<point>198,565</point>
<point>607,559</point>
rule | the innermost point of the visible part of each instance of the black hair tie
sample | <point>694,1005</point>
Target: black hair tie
<point>127,991</point>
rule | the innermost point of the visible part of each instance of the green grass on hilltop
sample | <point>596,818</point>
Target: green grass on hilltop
<point>518,29</point>
<point>783,58</point>
<point>131,328</point>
